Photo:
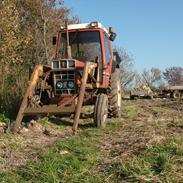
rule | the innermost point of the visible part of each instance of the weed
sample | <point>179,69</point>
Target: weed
<point>3,118</point>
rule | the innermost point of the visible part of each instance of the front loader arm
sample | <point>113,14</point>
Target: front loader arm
<point>38,71</point>
<point>89,66</point>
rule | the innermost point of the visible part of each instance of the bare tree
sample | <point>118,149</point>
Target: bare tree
<point>174,75</point>
<point>152,78</point>
<point>126,67</point>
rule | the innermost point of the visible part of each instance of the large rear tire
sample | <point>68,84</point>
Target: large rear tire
<point>176,95</point>
<point>115,100</point>
<point>101,110</point>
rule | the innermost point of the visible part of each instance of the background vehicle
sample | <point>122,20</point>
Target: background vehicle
<point>173,91</point>
<point>142,92</point>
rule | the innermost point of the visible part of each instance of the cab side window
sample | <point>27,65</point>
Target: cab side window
<point>107,50</point>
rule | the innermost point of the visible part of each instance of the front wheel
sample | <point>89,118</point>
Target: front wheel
<point>101,110</point>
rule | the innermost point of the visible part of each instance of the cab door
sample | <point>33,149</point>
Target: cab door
<point>107,60</point>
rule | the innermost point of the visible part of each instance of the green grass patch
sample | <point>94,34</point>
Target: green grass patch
<point>71,160</point>
<point>56,122</point>
<point>3,118</point>
<point>132,112</point>
<point>74,159</point>
<point>13,142</point>
<point>113,124</point>
<point>160,110</point>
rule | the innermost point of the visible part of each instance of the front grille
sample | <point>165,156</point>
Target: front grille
<point>63,80</point>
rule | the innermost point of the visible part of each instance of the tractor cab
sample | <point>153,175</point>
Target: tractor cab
<point>77,44</point>
<point>86,41</point>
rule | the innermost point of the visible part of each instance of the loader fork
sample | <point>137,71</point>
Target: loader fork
<point>37,73</point>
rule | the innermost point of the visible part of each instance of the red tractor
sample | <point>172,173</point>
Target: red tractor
<point>84,71</point>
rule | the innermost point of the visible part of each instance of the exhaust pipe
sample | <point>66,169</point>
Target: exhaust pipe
<point>69,54</point>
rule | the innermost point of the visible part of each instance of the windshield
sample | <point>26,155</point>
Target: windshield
<point>85,46</point>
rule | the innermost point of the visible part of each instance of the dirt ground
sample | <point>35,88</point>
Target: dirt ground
<point>143,123</point>
<point>18,149</point>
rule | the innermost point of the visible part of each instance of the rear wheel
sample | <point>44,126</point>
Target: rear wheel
<point>115,101</point>
<point>176,94</point>
<point>101,110</point>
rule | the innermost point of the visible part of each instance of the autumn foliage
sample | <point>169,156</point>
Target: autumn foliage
<point>26,29</point>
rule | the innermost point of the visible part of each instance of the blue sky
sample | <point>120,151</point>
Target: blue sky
<point>150,30</point>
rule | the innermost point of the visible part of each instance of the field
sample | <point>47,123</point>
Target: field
<point>144,145</point>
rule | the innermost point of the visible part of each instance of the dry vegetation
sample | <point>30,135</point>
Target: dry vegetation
<point>145,145</point>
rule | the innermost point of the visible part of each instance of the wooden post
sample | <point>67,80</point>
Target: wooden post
<point>81,96</point>
<point>29,92</point>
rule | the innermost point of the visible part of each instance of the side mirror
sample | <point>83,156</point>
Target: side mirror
<point>112,36</point>
<point>54,40</point>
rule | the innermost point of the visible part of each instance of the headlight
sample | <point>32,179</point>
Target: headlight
<point>59,85</point>
<point>71,84</point>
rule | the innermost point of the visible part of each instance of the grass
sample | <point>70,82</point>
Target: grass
<point>14,142</point>
<point>159,163</point>
<point>177,123</point>
<point>132,112</point>
<point>3,118</point>
<point>160,110</point>
<point>71,160</point>
<point>78,159</point>
<point>54,123</point>
<point>96,155</point>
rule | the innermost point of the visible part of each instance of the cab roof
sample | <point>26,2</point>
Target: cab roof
<point>86,26</point>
